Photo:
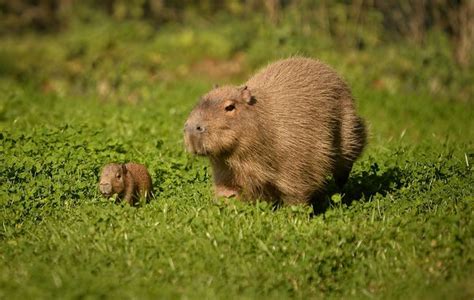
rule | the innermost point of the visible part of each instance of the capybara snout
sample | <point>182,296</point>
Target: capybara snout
<point>194,132</point>
<point>105,189</point>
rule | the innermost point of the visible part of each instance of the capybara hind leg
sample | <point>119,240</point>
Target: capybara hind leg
<point>353,139</point>
<point>341,174</point>
<point>320,202</point>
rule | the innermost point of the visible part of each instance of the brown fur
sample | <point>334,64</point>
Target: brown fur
<point>129,181</point>
<point>280,135</point>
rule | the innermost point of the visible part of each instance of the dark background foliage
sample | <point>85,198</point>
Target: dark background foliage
<point>410,19</point>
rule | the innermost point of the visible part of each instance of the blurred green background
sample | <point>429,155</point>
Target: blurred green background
<point>102,47</point>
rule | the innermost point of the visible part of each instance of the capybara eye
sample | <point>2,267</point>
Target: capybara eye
<point>118,175</point>
<point>230,107</point>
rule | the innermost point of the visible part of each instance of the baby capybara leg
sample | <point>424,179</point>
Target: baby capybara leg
<point>130,199</point>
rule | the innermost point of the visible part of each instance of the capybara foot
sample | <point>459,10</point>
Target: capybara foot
<point>227,192</point>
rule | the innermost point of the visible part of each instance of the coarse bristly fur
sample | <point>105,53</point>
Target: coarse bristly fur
<point>129,181</point>
<point>280,135</point>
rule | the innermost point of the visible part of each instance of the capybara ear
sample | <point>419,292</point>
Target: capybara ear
<point>246,95</point>
<point>215,86</point>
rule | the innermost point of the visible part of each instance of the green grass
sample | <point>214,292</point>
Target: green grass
<point>402,228</point>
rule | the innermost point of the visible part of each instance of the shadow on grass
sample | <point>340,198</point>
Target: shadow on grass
<point>361,187</point>
<point>364,186</point>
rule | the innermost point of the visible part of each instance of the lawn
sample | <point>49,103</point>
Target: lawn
<point>73,101</point>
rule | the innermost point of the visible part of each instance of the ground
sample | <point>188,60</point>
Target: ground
<point>403,226</point>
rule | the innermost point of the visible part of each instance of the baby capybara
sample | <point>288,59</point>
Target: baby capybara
<point>129,181</point>
<point>280,135</point>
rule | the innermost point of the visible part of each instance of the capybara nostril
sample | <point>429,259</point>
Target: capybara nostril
<point>194,128</point>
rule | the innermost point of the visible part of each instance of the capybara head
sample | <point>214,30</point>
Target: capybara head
<point>112,179</point>
<point>215,125</point>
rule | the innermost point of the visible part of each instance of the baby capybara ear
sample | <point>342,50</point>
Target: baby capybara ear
<point>246,95</point>
<point>124,169</point>
<point>215,86</point>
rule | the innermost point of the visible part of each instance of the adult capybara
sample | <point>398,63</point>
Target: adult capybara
<point>280,135</point>
<point>129,181</point>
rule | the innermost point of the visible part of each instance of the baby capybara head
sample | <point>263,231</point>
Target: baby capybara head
<point>112,179</point>
<point>215,125</point>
